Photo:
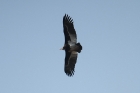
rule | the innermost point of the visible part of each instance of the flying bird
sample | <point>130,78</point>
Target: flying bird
<point>71,47</point>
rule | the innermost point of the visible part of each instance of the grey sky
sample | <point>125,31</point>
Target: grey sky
<point>31,34</point>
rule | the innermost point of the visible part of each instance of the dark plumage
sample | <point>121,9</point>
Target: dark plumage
<point>71,46</point>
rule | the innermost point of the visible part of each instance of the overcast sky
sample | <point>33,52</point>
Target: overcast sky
<point>31,34</point>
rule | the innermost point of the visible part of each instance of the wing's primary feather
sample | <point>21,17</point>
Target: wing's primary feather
<point>66,35</point>
<point>70,61</point>
<point>69,31</point>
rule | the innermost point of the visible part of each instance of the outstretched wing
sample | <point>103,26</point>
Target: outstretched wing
<point>69,31</point>
<point>70,61</point>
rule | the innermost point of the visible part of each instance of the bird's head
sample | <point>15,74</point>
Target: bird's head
<point>62,48</point>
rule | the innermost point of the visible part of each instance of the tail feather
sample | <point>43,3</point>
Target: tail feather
<point>80,47</point>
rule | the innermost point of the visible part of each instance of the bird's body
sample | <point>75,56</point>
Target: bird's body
<point>71,46</point>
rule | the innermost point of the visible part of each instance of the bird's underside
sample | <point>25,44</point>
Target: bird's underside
<point>71,47</point>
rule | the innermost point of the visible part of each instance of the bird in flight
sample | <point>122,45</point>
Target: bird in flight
<point>71,47</point>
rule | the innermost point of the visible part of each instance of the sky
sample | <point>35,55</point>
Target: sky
<point>31,34</point>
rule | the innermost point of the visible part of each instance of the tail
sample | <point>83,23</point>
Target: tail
<point>80,47</point>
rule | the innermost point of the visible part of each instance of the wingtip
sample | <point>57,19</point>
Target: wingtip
<point>70,73</point>
<point>67,18</point>
<point>65,15</point>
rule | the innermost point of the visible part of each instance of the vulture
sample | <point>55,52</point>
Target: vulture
<point>71,47</point>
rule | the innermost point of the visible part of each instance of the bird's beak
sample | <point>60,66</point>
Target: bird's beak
<point>61,48</point>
